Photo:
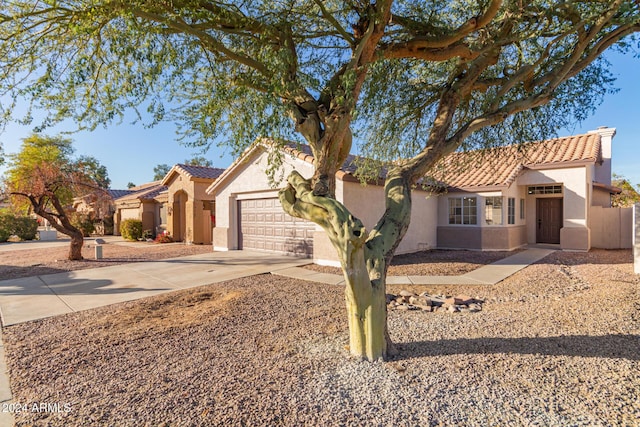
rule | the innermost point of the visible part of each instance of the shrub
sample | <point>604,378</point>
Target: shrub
<point>163,238</point>
<point>131,229</point>
<point>83,223</point>
<point>5,227</point>
<point>147,235</point>
<point>24,227</point>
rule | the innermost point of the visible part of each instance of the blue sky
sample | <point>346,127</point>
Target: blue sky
<point>130,152</point>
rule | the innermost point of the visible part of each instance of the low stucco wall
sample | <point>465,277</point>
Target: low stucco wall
<point>611,228</point>
<point>575,238</point>
<point>482,238</point>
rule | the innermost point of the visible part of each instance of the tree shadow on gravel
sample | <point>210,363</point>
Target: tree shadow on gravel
<point>605,346</point>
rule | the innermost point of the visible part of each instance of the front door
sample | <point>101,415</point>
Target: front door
<point>548,220</point>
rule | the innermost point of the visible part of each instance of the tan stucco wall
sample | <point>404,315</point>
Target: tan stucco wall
<point>133,213</point>
<point>193,225</point>
<point>611,228</point>
<point>482,238</point>
<point>601,197</point>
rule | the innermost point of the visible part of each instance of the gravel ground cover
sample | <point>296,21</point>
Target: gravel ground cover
<point>433,263</point>
<point>557,344</point>
<point>36,262</point>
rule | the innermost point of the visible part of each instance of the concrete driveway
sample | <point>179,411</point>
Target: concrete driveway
<point>37,297</point>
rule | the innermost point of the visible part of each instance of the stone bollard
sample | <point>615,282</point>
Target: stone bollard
<point>98,251</point>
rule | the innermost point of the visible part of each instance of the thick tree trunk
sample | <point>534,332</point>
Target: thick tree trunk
<point>363,257</point>
<point>60,222</point>
<point>75,248</point>
<point>366,311</point>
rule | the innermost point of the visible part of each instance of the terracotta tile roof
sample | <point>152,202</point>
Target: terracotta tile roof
<point>146,191</point>
<point>496,167</point>
<point>200,171</point>
<point>118,193</point>
<point>500,166</point>
<point>303,152</point>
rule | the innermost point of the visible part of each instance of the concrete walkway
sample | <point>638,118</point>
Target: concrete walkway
<point>485,275</point>
<point>32,298</point>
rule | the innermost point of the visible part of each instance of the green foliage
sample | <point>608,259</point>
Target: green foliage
<point>160,171</point>
<point>130,184</point>
<point>199,161</point>
<point>629,196</point>
<point>83,223</point>
<point>23,227</point>
<point>91,167</point>
<point>5,226</point>
<point>45,167</point>
<point>131,229</point>
<point>233,71</point>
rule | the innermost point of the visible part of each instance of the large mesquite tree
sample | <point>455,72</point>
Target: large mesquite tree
<point>45,177</point>
<point>413,80</point>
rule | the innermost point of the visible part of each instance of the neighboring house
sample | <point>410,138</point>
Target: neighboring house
<point>99,204</point>
<point>146,203</point>
<point>542,192</point>
<point>190,210</point>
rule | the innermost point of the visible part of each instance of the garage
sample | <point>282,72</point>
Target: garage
<point>263,225</point>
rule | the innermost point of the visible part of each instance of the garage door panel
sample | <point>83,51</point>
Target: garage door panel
<point>263,225</point>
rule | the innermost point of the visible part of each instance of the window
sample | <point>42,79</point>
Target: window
<point>163,214</point>
<point>511,210</point>
<point>545,189</point>
<point>463,210</point>
<point>493,210</point>
<point>521,208</point>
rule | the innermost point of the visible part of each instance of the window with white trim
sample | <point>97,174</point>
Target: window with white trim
<point>545,189</point>
<point>511,210</point>
<point>493,210</point>
<point>463,210</point>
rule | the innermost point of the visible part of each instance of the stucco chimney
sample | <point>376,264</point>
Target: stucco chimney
<point>603,171</point>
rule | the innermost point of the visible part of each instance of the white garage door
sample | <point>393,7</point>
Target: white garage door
<point>265,226</point>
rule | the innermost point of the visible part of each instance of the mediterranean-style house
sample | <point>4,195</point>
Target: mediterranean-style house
<point>177,205</point>
<point>190,210</point>
<point>146,202</point>
<point>550,192</point>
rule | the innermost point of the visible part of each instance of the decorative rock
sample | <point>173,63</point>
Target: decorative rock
<point>406,300</point>
<point>475,307</point>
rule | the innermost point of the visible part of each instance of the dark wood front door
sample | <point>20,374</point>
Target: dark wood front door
<point>548,220</point>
